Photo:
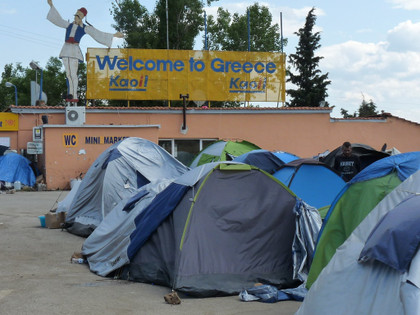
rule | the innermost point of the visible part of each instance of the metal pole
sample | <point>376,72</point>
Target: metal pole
<point>167,26</point>
<point>40,87</point>
<point>205,30</point>
<point>184,110</point>
<point>281,31</point>
<point>249,34</point>
<point>15,95</point>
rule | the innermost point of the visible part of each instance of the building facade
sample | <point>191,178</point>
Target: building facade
<point>65,141</point>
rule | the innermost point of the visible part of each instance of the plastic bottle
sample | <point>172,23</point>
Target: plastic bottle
<point>17,185</point>
<point>77,260</point>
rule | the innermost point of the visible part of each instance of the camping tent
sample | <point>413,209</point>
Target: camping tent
<point>223,151</point>
<point>15,167</point>
<point>265,160</point>
<point>115,175</point>
<point>311,180</point>
<point>64,205</point>
<point>219,228</point>
<point>376,270</point>
<point>356,200</point>
<point>106,248</point>
<point>366,154</point>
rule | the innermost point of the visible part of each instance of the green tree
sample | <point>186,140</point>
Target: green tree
<point>54,82</point>
<point>149,30</point>
<point>133,19</point>
<point>366,109</point>
<point>230,32</point>
<point>311,84</point>
<point>18,76</point>
<point>345,113</point>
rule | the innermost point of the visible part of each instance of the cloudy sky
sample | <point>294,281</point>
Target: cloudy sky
<point>371,48</point>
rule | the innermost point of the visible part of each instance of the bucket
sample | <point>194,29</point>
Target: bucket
<point>17,185</point>
<point>42,220</point>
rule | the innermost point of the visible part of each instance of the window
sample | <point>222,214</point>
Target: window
<point>185,150</point>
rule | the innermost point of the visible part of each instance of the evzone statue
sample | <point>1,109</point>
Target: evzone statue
<point>71,54</point>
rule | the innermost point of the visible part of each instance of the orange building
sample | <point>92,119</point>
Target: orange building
<point>67,140</point>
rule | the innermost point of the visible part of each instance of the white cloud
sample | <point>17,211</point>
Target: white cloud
<point>406,4</point>
<point>404,37</point>
<point>7,11</point>
<point>370,70</point>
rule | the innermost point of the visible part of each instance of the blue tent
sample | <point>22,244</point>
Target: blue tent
<point>313,181</point>
<point>265,160</point>
<point>286,157</point>
<point>15,167</point>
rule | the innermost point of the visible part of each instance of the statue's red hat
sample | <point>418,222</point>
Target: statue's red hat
<point>83,10</point>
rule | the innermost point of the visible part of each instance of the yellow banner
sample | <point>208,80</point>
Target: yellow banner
<point>155,74</point>
<point>9,122</point>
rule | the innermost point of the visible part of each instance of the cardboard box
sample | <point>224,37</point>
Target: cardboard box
<point>54,220</point>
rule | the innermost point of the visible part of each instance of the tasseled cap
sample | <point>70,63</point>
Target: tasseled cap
<point>83,10</point>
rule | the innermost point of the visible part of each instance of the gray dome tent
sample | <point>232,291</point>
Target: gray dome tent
<point>218,229</point>
<point>117,174</point>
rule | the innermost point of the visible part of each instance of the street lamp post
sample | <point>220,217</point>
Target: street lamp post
<point>8,84</point>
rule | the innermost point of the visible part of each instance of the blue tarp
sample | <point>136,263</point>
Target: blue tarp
<point>263,159</point>
<point>15,167</point>
<point>151,217</point>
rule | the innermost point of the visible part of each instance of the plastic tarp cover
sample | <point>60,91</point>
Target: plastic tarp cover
<point>106,247</point>
<point>262,159</point>
<point>308,225</point>
<point>15,167</point>
<point>395,239</point>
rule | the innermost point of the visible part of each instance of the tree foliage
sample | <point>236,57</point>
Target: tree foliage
<point>230,32</point>
<point>311,84</point>
<point>145,29</point>
<point>366,109</point>
<point>53,83</point>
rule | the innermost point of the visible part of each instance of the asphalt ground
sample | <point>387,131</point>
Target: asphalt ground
<point>37,276</point>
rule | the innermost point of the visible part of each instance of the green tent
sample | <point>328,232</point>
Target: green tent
<point>356,201</point>
<point>223,151</point>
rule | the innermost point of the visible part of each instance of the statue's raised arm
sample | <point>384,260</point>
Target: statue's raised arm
<point>71,54</point>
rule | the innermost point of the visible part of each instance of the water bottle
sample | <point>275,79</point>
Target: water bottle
<point>17,185</point>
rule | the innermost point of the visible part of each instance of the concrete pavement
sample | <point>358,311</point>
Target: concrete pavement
<point>36,276</point>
